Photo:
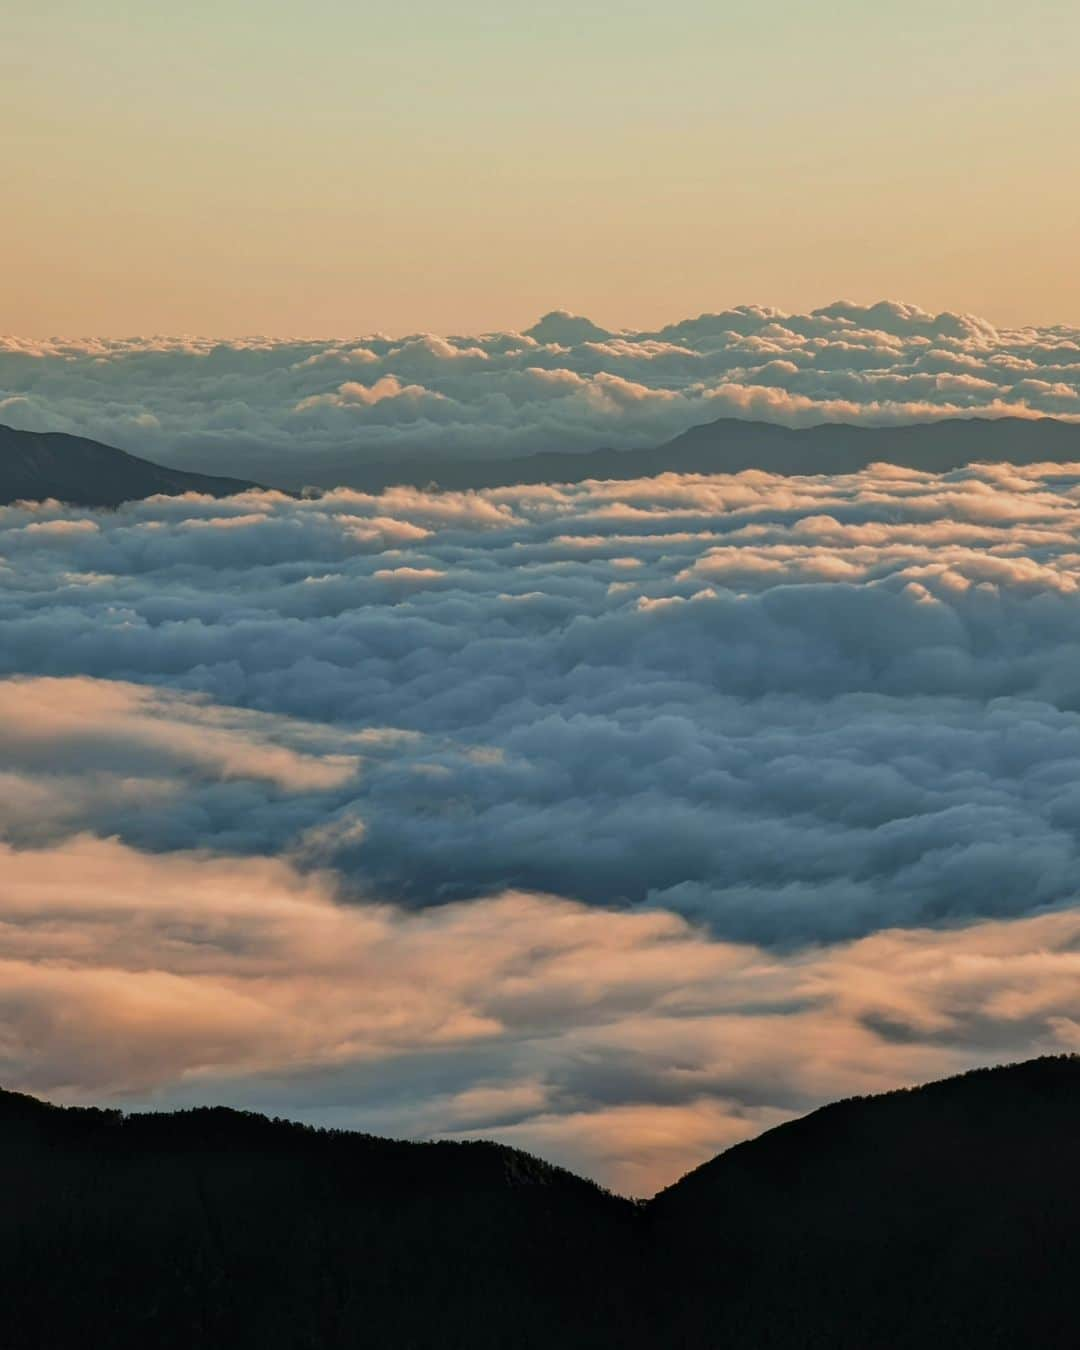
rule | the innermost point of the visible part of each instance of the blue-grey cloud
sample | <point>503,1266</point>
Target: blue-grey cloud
<point>619,820</point>
<point>270,407</point>
<point>628,1045</point>
<point>794,710</point>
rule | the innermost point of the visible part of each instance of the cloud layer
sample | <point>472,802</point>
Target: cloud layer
<point>270,408</point>
<point>629,1045</point>
<point>620,820</point>
<point>793,709</point>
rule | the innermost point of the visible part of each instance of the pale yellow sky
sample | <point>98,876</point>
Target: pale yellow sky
<point>337,168</point>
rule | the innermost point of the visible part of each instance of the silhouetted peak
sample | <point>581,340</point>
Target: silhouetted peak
<point>36,465</point>
<point>943,1215</point>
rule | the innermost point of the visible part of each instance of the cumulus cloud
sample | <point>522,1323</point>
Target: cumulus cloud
<point>166,768</point>
<point>812,708</point>
<point>631,1045</point>
<point>618,819</point>
<point>275,408</point>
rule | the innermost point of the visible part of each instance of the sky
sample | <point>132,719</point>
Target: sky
<point>338,168</point>
<point>616,820</point>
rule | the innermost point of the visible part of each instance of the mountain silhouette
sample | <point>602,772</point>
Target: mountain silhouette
<point>35,465</point>
<point>728,445</point>
<point>218,1228</point>
<point>942,1216</point>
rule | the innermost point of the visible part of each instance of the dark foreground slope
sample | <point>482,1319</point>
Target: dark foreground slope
<point>941,1217</point>
<point>727,446</point>
<point>216,1228</point>
<point>35,465</point>
<point>944,1216</point>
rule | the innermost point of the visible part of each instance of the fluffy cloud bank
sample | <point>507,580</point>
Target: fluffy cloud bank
<point>792,709</point>
<point>629,1045</point>
<point>270,408</point>
<point>616,819</point>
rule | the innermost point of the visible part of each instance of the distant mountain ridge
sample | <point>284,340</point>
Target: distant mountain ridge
<point>728,445</point>
<point>944,1216</point>
<point>35,465</point>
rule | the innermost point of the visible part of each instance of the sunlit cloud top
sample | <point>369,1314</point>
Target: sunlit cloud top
<point>268,407</point>
<point>618,820</point>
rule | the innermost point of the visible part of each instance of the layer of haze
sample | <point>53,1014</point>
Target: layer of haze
<point>333,168</point>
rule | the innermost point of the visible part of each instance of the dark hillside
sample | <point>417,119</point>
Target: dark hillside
<point>86,473</point>
<point>729,445</point>
<point>220,1228</point>
<point>36,465</point>
<point>945,1216</point>
<point>948,1215</point>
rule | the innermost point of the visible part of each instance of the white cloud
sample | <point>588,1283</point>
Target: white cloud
<point>630,1045</point>
<point>812,708</point>
<point>617,819</point>
<point>270,408</point>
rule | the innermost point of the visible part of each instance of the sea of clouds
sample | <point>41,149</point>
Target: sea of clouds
<point>269,409</point>
<point>617,820</point>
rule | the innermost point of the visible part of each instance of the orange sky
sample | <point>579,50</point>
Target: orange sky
<point>236,168</point>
